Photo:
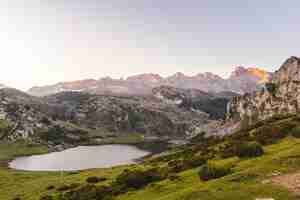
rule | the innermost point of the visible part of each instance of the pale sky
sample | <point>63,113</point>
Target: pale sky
<point>47,41</point>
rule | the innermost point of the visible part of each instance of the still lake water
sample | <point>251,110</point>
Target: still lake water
<point>82,157</point>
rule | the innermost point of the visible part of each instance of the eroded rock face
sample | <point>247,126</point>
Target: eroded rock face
<point>19,110</point>
<point>177,96</point>
<point>279,96</point>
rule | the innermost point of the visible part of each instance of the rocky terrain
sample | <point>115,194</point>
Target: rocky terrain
<point>78,117</point>
<point>279,96</point>
<point>242,80</point>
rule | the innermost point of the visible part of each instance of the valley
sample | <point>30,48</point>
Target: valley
<point>194,144</point>
<point>249,178</point>
<point>149,100</point>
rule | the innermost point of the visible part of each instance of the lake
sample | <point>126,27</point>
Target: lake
<point>80,158</point>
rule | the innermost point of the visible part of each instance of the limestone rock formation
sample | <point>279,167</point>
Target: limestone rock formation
<point>279,96</point>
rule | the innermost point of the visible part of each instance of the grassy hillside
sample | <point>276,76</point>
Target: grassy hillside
<point>249,177</point>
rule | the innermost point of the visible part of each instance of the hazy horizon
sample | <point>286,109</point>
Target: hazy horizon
<point>45,42</point>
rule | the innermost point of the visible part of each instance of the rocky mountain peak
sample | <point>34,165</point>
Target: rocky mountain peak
<point>80,84</point>
<point>289,71</point>
<point>179,74</point>
<point>149,77</point>
<point>238,71</point>
<point>261,75</point>
<point>279,96</point>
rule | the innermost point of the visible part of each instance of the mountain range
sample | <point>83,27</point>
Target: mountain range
<point>242,80</point>
<point>145,106</point>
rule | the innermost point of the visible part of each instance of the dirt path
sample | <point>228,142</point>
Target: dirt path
<point>290,181</point>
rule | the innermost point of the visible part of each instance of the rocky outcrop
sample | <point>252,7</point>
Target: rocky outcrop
<point>120,114</point>
<point>31,118</point>
<point>75,117</point>
<point>279,96</point>
<point>172,95</point>
<point>241,81</point>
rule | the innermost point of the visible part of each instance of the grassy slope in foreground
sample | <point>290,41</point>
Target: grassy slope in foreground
<point>245,183</point>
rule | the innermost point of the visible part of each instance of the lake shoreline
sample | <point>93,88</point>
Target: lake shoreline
<point>119,154</point>
<point>153,146</point>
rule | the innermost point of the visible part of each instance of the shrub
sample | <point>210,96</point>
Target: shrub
<point>287,126</point>
<point>228,149</point>
<point>176,166</point>
<point>85,192</point>
<point>194,161</point>
<point>95,179</point>
<point>213,171</point>
<point>296,132</point>
<point>67,187</point>
<point>88,192</point>
<point>47,197</point>
<point>55,134</point>
<point>269,134</point>
<point>4,128</point>
<point>50,187</point>
<point>173,177</point>
<point>249,149</point>
<point>137,178</point>
<point>272,88</point>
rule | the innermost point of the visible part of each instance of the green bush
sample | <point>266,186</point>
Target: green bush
<point>173,177</point>
<point>55,134</point>
<point>50,187</point>
<point>135,179</point>
<point>213,171</point>
<point>269,134</point>
<point>249,149</point>
<point>4,128</point>
<point>67,187</point>
<point>47,197</point>
<point>179,165</point>
<point>272,88</point>
<point>176,166</point>
<point>296,132</point>
<point>194,161</point>
<point>95,179</point>
<point>89,192</point>
<point>85,192</point>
